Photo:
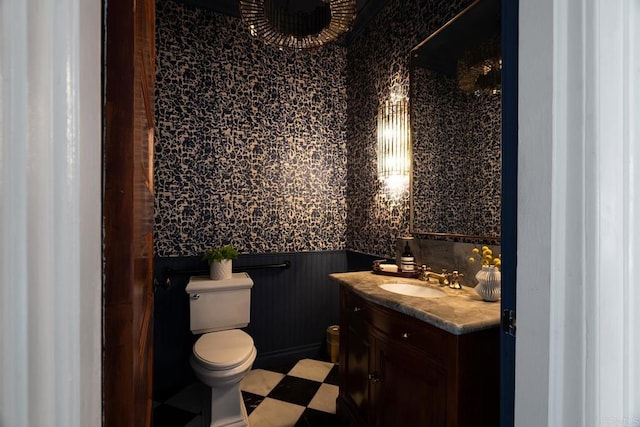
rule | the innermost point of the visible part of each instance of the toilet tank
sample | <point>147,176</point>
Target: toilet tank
<point>217,305</point>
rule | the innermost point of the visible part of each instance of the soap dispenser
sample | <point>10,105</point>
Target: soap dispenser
<point>407,261</point>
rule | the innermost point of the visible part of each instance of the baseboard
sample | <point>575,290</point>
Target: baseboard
<point>289,355</point>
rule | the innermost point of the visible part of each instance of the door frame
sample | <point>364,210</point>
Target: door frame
<point>129,75</point>
<point>509,199</point>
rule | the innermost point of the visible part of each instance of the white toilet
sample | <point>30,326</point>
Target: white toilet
<point>223,355</point>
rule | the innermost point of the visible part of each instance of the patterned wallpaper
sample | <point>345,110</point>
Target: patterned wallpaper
<point>377,65</point>
<point>456,141</point>
<point>250,140</point>
<point>275,151</point>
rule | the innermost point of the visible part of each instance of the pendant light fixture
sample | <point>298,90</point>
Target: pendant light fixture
<point>298,24</point>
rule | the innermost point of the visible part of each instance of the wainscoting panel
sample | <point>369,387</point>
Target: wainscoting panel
<point>290,311</point>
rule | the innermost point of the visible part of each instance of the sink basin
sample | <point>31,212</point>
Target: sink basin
<point>413,290</point>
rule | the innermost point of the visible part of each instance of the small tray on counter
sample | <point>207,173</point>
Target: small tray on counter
<point>377,269</point>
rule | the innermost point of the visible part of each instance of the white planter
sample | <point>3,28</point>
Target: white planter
<point>220,270</point>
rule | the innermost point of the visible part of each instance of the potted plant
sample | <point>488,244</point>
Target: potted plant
<point>219,260</point>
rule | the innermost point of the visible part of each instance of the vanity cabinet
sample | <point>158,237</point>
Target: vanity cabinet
<point>396,370</point>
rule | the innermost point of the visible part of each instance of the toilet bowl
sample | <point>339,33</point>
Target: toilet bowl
<point>220,360</point>
<point>223,355</point>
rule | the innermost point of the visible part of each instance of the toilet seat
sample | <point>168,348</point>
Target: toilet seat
<point>223,350</point>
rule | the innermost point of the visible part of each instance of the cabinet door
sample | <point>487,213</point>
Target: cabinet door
<point>412,389</point>
<point>358,365</point>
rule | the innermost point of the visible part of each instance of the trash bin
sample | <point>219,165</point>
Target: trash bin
<point>333,340</point>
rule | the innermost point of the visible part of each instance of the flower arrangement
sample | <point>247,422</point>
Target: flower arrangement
<point>489,276</point>
<point>485,257</point>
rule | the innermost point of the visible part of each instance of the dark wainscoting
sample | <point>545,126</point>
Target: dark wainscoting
<point>290,310</point>
<point>358,261</point>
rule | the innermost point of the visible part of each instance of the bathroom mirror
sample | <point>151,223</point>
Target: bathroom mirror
<point>456,127</point>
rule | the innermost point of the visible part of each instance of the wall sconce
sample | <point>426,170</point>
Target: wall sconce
<point>394,144</point>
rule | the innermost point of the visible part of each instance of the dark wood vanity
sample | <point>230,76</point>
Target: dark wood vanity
<point>397,370</point>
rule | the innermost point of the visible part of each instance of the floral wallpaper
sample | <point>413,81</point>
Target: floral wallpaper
<point>456,140</point>
<point>378,68</point>
<point>275,151</point>
<point>250,140</point>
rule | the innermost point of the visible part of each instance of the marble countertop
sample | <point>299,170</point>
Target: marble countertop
<point>460,312</point>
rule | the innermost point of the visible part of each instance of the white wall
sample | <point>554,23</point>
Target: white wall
<point>578,348</point>
<point>50,218</point>
<point>534,214</point>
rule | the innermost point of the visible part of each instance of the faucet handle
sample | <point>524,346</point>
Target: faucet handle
<point>423,272</point>
<point>447,277</point>
<point>455,280</point>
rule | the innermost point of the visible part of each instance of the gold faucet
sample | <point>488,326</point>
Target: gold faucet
<point>443,278</point>
<point>452,279</point>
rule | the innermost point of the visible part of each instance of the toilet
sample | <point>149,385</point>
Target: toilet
<point>224,354</point>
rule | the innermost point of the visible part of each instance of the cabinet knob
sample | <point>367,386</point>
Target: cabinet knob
<point>373,377</point>
<point>356,309</point>
<point>405,335</point>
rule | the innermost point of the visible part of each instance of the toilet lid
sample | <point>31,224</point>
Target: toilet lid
<point>224,349</point>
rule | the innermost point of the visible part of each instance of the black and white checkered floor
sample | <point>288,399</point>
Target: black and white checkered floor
<point>303,394</point>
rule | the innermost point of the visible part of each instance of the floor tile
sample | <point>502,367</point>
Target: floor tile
<point>334,375</point>
<point>167,393</point>
<point>189,398</point>
<point>196,422</point>
<point>325,398</point>
<point>251,401</point>
<point>283,369</point>
<point>169,416</point>
<point>295,390</point>
<point>311,369</point>
<point>274,413</point>
<point>313,418</point>
<point>297,394</point>
<point>259,381</point>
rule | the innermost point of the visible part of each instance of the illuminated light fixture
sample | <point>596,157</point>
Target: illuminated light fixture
<point>394,144</point>
<point>298,24</point>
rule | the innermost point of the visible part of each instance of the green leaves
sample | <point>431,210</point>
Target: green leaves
<point>220,253</point>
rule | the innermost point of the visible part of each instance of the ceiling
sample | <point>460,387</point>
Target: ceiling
<point>365,10</point>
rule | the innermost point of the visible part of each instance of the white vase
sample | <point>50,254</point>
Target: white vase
<point>220,270</point>
<point>488,286</point>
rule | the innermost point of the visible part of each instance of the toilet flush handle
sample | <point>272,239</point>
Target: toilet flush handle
<point>194,296</point>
